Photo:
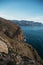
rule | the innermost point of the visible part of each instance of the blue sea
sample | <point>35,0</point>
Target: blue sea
<point>34,36</point>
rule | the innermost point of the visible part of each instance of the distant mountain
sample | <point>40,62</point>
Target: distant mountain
<point>27,23</point>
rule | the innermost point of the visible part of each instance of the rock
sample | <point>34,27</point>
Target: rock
<point>16,59</point>
<point>25,50</point>
<point>3,47</point>
<point>10,30</point>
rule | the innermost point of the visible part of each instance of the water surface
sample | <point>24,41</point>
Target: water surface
<point>34,36</point>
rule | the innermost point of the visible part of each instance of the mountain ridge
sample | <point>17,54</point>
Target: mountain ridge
<point>27,23</point>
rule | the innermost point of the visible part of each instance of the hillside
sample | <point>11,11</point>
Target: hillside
<point>13,50</point>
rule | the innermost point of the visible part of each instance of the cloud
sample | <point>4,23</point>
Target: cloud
<point>12,17</point>
<point>6,16</point>
<point>37,19</point>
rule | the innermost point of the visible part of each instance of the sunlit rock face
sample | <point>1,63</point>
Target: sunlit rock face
<point>13,50</point>
<point>3,47</point>
<point>11,30</point>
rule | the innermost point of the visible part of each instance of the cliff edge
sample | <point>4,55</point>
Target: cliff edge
<point>13,50</point>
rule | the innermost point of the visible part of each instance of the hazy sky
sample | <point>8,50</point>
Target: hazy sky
<point>22,9</point>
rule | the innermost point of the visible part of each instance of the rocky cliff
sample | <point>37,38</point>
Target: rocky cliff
<point>13,50</point>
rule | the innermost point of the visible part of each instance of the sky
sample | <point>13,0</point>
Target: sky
<point>22,10</point>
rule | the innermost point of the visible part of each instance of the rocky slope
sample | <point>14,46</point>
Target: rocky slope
<point>13,50</point>
<point>10,29</point>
